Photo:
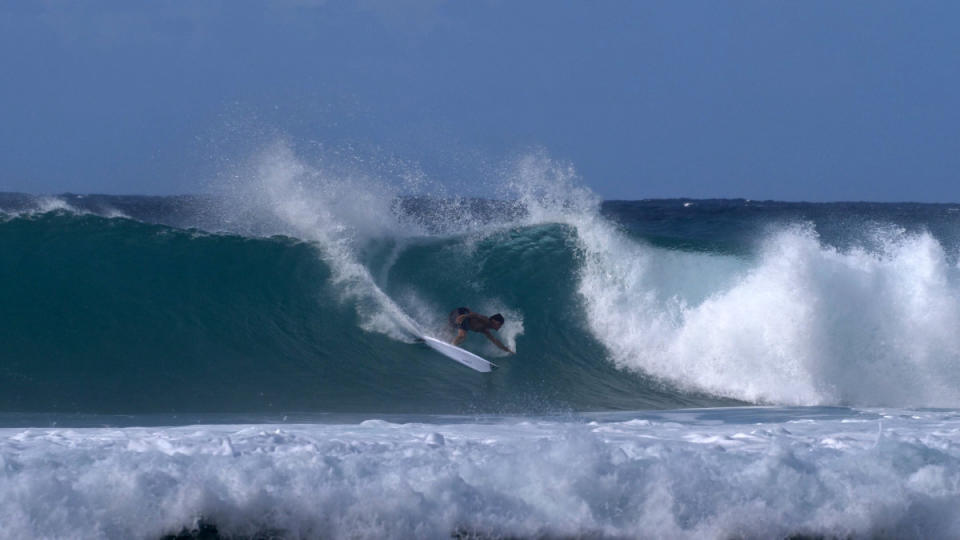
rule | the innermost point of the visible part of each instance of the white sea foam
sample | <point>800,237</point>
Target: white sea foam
<point>40,205</point>
<point>684,474</point>
<point>799,323</point>
<point>53,204</point>
<point>46,204</point>
<point>804,323</point>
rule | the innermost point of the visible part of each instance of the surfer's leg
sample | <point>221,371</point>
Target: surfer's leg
<point>461,335</point>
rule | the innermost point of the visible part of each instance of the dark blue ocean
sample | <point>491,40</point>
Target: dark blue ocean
<point>243,364</point>
<point>127,304</point>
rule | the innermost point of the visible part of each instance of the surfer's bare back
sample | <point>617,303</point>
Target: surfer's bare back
<point>463,320</point>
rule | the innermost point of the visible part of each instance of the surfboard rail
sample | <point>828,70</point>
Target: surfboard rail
<point>463,356</point>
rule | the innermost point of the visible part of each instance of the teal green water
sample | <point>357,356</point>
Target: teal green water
<point>150,315</point>
<point>114,315</point>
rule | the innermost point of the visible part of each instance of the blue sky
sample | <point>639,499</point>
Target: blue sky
<point>854,100</point>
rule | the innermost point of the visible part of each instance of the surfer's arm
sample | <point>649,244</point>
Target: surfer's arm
<point>496,341</point>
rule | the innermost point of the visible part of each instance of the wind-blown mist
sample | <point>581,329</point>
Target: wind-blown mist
<point>293,287</point>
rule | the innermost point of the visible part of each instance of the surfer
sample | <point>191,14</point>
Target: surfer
<point>463,319</point>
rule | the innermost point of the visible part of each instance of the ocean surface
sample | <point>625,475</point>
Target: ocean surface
<point>243,363</point>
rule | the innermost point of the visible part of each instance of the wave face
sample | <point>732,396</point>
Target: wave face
<point>295,290</point>
<point>115,315</point>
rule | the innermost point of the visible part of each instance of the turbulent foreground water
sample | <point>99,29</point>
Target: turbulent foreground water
<point>696,473</point>
<point>244,364</point>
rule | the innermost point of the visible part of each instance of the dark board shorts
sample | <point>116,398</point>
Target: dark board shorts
<point>465,324</point>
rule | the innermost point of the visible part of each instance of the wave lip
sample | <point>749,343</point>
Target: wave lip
<point>296,282</point>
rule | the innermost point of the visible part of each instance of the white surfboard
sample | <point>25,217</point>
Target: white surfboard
<point>465,357</point>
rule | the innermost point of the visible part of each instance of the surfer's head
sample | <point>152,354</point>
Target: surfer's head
<point>497,321</point>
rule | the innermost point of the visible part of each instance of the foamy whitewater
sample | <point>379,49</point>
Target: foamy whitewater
<point>707,473</point>
<point>244,363</point>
